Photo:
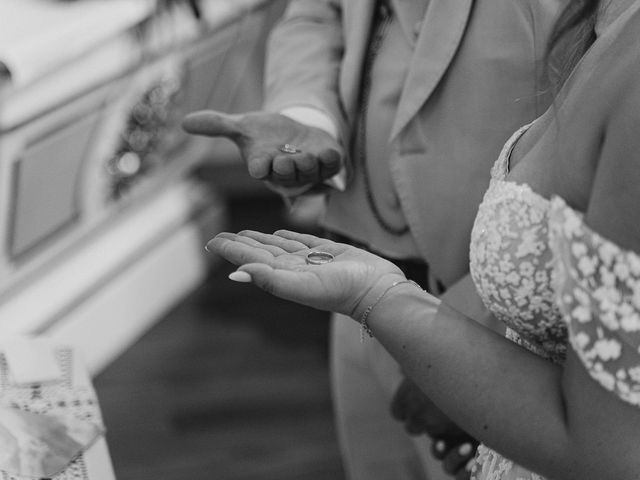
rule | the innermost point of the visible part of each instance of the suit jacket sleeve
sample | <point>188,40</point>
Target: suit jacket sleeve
<point>304,57</point>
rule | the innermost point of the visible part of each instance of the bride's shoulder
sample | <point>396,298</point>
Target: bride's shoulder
<point>615,195</point>
<point>605,119</point>
<point>612,74</point>
<point>616,55</point>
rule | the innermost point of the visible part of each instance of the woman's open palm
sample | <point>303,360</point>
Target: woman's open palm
<point>277,263</point>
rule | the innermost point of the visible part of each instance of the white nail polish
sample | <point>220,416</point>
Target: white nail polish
<point>470,464</point>
<point>440,446</point>
<point>239,276</point>
<point>464,449</point>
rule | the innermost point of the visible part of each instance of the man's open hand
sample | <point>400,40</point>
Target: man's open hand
<point>260,137</point>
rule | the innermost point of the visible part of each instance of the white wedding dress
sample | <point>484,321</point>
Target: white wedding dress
<point>556,284</point>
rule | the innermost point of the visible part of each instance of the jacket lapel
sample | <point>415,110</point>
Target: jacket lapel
<point>409,14</point>
<point>442,30</point>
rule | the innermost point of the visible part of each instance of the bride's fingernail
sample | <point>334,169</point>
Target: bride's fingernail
<point>465,449</point>
<point>239,276</point>
<point>440,446</point>
<point>470,464</point>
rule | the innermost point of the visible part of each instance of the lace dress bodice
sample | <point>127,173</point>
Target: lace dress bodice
<point>554,282</point>
<point>511,265</point>
<point>511,262</point>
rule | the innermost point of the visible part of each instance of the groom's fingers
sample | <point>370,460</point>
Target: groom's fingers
<point>213,124</point>
<point>283,169</point>
<point>307,168</point>
<point>259,164</point>
<point>330,162</point>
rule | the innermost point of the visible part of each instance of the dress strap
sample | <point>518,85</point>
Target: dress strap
<point>500,168</point>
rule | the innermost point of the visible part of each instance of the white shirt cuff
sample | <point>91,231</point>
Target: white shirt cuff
<point>312,117</point>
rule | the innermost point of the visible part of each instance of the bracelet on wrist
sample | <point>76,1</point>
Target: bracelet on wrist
<point>364,326</point>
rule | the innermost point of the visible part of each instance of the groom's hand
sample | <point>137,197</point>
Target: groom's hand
<point>273,146</point>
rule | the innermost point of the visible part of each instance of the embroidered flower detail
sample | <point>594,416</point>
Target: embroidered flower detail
<point>530,243</point>
<point>582,297</point>
<point>572,226</point>
<point>526,269</point>
<point>610,320</point>
<point>630,322</point>
<point>541,276</point>
<point>621,270</point>
<point>582,313</point>
<point>607,252</point>
<point>634,264</point>
<point>607,278</point>
<point>634,373</point>
<point>607,349</point>
<point>579,249</point>
<point>581,340</point>
<point>587,266</point>
<point>609,343</point>
<point>606,379</point>
<point>512,266</point>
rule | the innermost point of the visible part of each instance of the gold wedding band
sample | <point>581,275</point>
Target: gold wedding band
<point>319,258</point>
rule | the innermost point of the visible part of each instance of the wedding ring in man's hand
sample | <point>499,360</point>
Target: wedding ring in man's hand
<point>319,258</point>
<point>288,148</point>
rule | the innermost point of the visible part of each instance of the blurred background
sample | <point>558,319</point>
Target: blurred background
<point>105,206</point>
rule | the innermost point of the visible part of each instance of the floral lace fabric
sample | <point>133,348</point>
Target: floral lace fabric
<point>67,397</point>
<point>554,282</point>
<point>512,265</point>
<point>598,290</point>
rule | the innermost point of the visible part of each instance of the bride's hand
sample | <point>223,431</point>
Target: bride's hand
<point>278,264</point>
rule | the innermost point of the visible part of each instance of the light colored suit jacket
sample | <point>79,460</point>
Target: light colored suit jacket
<point>476,76</point>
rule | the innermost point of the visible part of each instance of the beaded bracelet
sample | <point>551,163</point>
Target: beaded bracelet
<point>364,327</point>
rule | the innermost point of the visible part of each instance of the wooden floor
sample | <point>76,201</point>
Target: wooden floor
<point>231,385</point>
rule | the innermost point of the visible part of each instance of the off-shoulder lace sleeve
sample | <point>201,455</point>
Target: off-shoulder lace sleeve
<point>598,291</point>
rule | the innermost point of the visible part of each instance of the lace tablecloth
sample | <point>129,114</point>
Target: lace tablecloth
<point>71,394</point>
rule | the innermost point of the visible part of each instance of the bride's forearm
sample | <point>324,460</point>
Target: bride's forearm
<point>490,386</point>
<point>463,297</point>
